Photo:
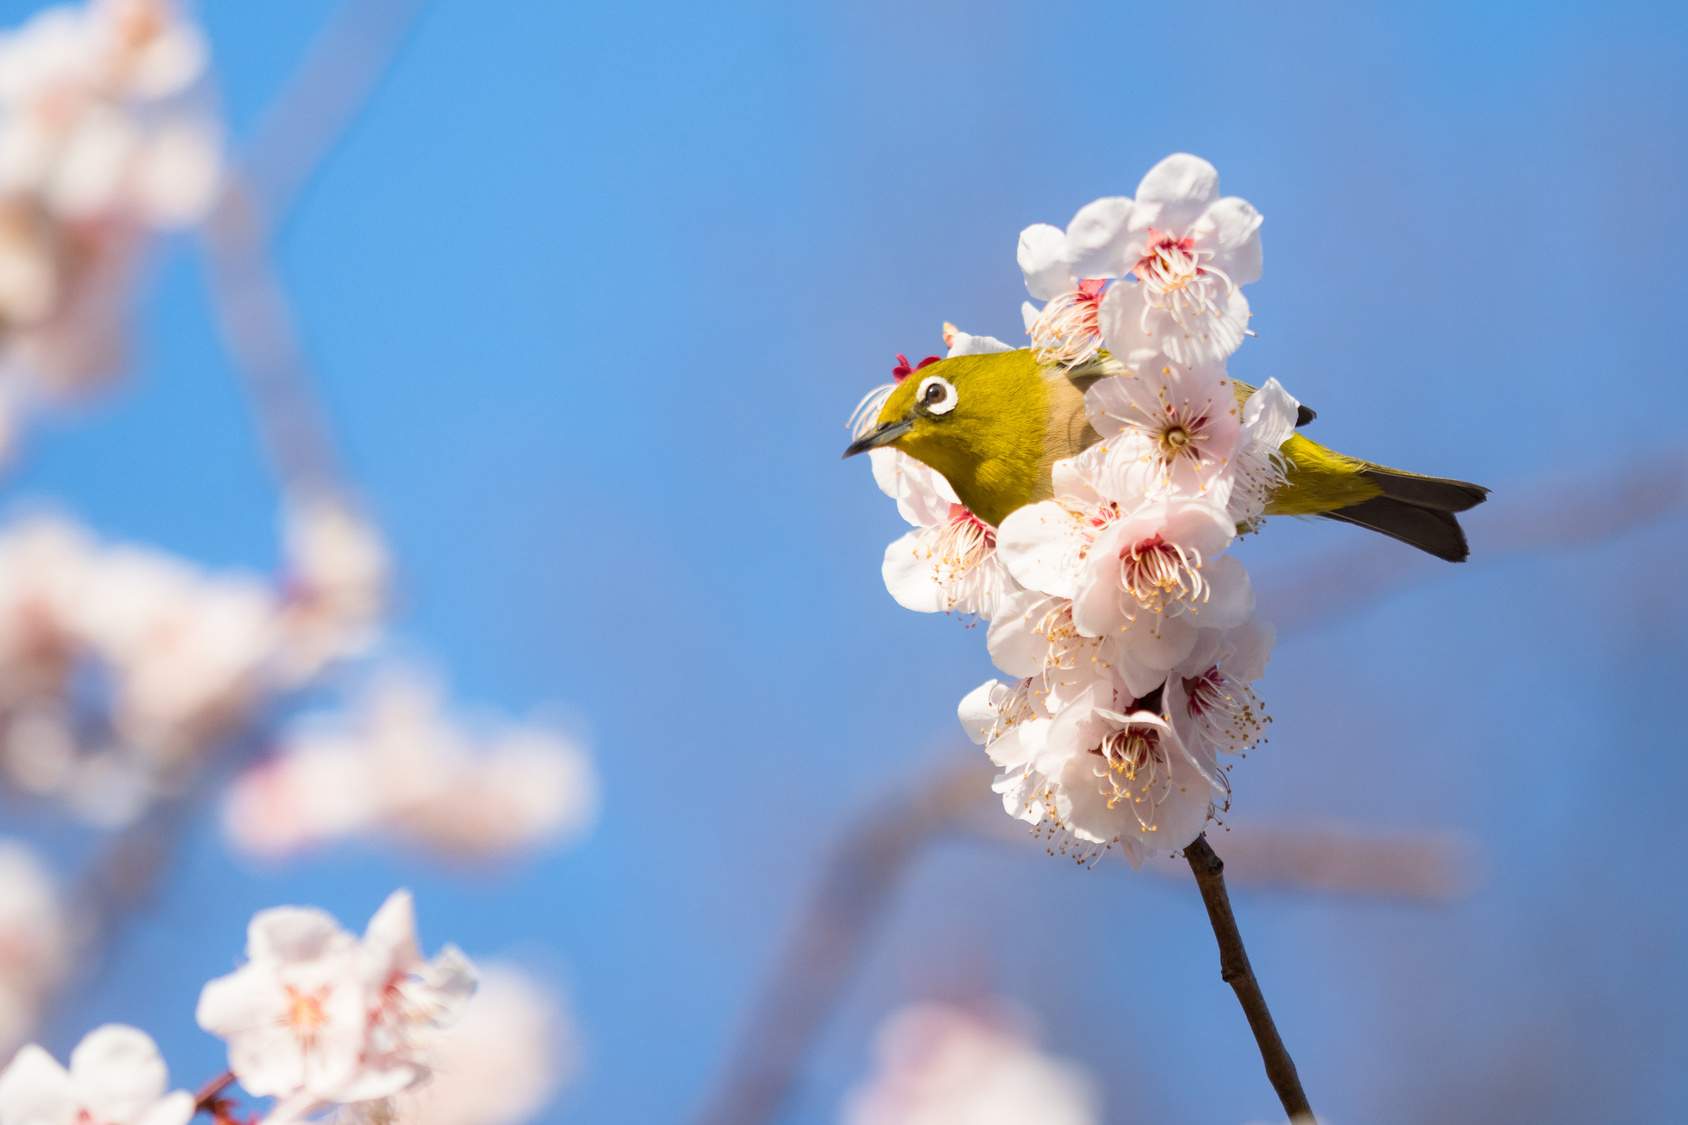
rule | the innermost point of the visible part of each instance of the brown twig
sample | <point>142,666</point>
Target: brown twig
<point>210,1094</point>
<point>1234,969</point>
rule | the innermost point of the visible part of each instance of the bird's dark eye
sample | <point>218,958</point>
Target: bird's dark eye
<point>936,394</point>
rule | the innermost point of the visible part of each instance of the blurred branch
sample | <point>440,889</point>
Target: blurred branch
<point>1235,971</point>
<point>864,869</point>
<point>307,119</point>
<point>828,941</point>
<point>254,314</point>
<point>1552,512</point>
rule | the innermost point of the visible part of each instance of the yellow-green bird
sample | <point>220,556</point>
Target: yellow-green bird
<point>994,424</point>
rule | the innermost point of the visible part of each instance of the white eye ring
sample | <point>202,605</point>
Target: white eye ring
<point>936,394</point>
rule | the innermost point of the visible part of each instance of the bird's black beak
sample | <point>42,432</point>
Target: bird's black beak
<point>883,434</point>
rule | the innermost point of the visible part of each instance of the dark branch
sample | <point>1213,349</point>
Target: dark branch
<point>1234,968</point>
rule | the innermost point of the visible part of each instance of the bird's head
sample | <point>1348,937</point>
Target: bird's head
<point>980,420</point>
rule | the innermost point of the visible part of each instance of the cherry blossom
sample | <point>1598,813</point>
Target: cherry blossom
<point>116,1077</point>
<point>497,1065</point>
<point>1269,418</point>
<point>1188,252</point>
<point>399,765</point>
<point>1167,430</point>
<point>1056,265</point>
<point>1210,696</point>
<point>948,563</point>
<point>941,1065</point>
<point>316,1017</point>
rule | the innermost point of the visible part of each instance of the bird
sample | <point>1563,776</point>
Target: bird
<point>995,423</point>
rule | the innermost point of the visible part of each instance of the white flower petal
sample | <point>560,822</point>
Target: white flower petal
<point>1041,545</point>
<point>1098,238</point>
<point>910,574</point>
<point>1029,313</point>
<point>118,1073</point>
<point>977,712</point>
<point>172,1109</point>
<point>1270,414</point>
<point>291,933</point>
<point>1014,643</point>
<point>1130,336</point>
<point>1204,339</point>
<point>1230,601</point>
<point>1251,644</point>
<point>965,343</point>
<point>1042,258</point>
<point>1231,228</point>
<point>1174,194</point>
<point>36,1090</point>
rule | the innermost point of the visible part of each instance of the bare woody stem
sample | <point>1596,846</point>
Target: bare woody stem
<point>1234,969</point>
<point>211,1093</point>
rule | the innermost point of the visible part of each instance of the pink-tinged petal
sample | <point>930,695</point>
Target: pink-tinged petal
<point>965,343</point>
<point>1270,414</point>
<point>1042,258</point>
<point>910,574</point>
<point>243,999</point>
<point>36,1090</point>
<point>1042,545</point>
<point>1231,229</point>
<point>1131,336</point>
<point>389,941</point>
<point>1097,608</point>
<point>977,711</point>
<point>1251,650</point>
<point>1074,481</point>
<point>1159,642</point>
<point>1139,679</point>
<point>1174,194</point>
<point>291,933</point>
<point>1098,239</point>
<point>1015,645</point>
<point>118,1073</point>
<point>378,1082</point>
<point>1230,600</point>
<point>1205,654</point>
<point>922,494</point>
<point>1205,339</point>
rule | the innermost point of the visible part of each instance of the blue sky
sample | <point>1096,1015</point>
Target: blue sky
<point>592,289</point>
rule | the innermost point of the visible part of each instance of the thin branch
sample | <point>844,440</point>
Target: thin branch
<point>1234,969</point>
<point>827,943</point>
<point>254,314</point>
<point>211,1093</point>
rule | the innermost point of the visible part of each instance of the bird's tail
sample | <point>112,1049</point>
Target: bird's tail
<point>1416,510</point>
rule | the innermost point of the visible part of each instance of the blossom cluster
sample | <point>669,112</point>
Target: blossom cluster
<point>323,1021</point>
<point>1127,630</point>
<point>401,766</point>
<point>108,134</point>
<point>939,1064</point>
<point>120,664</point>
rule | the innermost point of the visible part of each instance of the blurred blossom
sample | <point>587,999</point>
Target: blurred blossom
<point>316,1017</point>
<point>500,1064</point>
<point>107,134</point>
<point>943,1065</point>
<point>33,938</point>
<point>120,665</point>
<point>336,583</point>
<point>116,1077</point>
<point>399,765</point>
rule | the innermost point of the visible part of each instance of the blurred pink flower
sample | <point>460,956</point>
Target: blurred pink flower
<point>399,765</point>
<point>316,1017</point>
<point>116,1077</point>
<point>33,942</point>
<point>500,1064</point>
<point>942,1065</point>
